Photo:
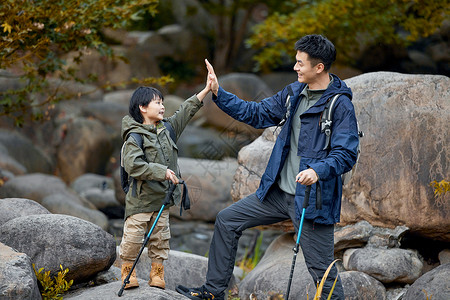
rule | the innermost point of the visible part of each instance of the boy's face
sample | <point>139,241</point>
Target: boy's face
<point>153,112</point>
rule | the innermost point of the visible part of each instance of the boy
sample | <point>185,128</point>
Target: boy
<point>151,168</point>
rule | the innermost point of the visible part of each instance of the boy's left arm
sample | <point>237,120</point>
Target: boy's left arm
<point>184,114</point>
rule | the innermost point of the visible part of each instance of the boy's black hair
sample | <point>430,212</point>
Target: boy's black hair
<point>318,48</point>
<point>142,96</point>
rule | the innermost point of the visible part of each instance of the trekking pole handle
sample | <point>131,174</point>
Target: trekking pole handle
<point>170,192</point>
<point>306,199</point>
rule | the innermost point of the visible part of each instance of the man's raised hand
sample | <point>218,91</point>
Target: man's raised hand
<point>212,78</point>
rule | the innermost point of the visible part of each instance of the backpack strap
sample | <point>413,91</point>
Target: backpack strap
<point>326,120</point>
<point>172,133</point>
<point>138,138</point>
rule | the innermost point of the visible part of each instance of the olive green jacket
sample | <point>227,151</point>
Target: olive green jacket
<point>160,152</point>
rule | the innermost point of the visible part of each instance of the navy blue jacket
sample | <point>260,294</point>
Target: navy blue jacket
<point>328,164</point>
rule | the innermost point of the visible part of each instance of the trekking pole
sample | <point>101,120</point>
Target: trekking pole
<point>297,244</point>
<point>166,202</point>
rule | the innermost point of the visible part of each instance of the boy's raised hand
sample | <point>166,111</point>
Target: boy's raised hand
<point>212,78</point>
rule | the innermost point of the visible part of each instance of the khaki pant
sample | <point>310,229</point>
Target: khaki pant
<point>134,232</point>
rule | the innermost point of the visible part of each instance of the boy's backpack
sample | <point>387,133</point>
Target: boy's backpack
<point>325,124</point>
<point>124,177</point>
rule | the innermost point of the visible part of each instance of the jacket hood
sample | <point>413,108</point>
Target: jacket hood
<point>130,125</point>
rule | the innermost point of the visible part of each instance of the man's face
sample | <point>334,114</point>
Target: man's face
<point>305,71</point>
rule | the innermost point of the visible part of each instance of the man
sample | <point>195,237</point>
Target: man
<point>298,159</point>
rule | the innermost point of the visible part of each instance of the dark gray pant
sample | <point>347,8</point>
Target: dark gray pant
<point>317,240</point>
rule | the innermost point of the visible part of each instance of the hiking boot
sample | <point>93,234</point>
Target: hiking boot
<point>157,276</point>
<point>198,293</point>
<point>126,268</point>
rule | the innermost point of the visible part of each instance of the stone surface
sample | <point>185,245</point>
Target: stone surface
<point>358,285</point>
<point>406,114</point>
<point>54,240</point>
<point>17,279</point>
<point>22,150</point>
<point>11,208</point>
<point>385,265</point>
<point>61,204</point>
<point>85,147</point>
<point>444,256</point>
<point>90,180</point>
<point>352,236</point>
<point>109,291</point>
<point>434,284</point>
<point>208,183</point>
<point>271,274</point>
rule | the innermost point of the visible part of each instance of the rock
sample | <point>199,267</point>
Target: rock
<point>10,164</point>
<point>444,256</point>
<point>38,186</point>
<point>181,268</point>
<point>121,97</point>
<point>271,274</point>
<point>386,237</point>
<point>24,152</point>
<point>109,291</point>
<point>352,236</point>
<point>17,279</point>
<point>109,114</point>
<point>358,285</point>
<point>54,240</point>
<point>101,198</point>
<point>406,114</point>
<point>85,148</point>
<point>246,86</point>
<point>11,208</point>
<point>385,265</point>
<point>90,180</point>
<point>431,285</point>
<point>207,143</point>
<point>208,183</point>
<point>61,204</point>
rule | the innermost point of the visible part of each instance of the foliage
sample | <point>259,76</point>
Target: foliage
<point>34,34</point>
<point>349,24</point>
<point>52,288</point>
<point>441,188</point>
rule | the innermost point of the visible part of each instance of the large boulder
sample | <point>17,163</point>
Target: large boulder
<point>11,208</point>
<point>53,240</point>
<point>432,285</point>
<point>23,151</point>
<point>271,274</point>
<point>85,147</point>
<point>208,183</point>
<point>17,279</point>
<point>407,114</point>
<point>386,265</point>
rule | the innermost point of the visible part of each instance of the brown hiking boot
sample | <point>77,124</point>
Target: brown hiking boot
<point>157,276</point>
<point>126,268</point>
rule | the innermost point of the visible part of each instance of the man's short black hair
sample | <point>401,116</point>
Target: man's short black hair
<point>142,96</point>
<point>318,48</point>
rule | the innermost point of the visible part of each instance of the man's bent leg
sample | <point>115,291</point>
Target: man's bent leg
<point>317,242</point>
<point>230,223</point>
